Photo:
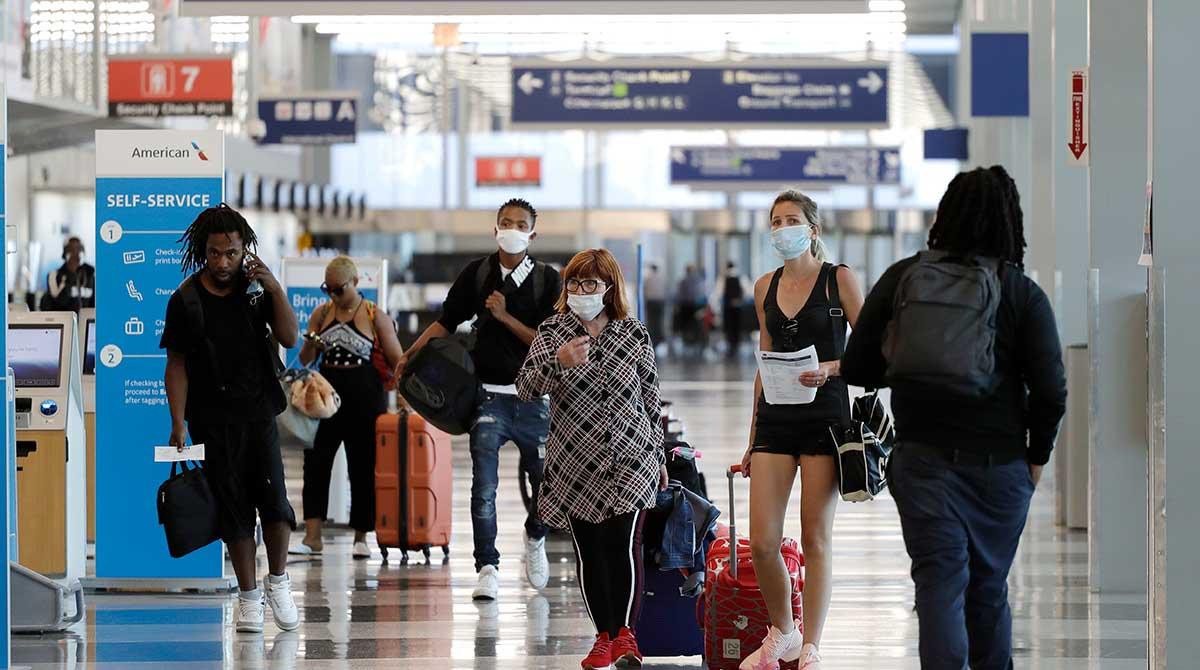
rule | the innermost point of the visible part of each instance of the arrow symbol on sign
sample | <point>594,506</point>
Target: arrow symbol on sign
<point>529,83</point>
<point>1078,143</point>
<point>872,82</point>
<point>678,156</point>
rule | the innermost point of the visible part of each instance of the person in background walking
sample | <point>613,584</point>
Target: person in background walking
<point>510,293</point>
<point>345,334</point>
<point>797,309</point>
<point>654,291</point>
<point>730,297</point>
<point>689,300</point>
<point>966,467</point>
<point>605,462</point>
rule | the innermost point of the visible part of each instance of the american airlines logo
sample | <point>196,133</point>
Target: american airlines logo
<point>168,152</point>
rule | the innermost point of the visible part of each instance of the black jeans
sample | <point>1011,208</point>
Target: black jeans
<point>611,572</point>
<point>363,400</point>
<point>962,522</point>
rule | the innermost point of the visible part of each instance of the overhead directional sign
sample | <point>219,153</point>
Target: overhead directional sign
<point>309,118</point>
<point>673,93</point>
<point>772,166</point>
<point>508,7</point>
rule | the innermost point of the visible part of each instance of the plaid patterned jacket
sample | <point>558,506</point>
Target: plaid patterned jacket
<point>605,444</point>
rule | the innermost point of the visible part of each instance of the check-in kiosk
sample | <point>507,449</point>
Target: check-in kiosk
<point>87,347</point>
<point>52,505</point>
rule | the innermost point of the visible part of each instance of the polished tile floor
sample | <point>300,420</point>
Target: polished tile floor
<point>371,614</point>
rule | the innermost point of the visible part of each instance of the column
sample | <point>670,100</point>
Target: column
<point>1070,193</point>
<point>1175,600</point>
<point>995,140</point>
<point>1038,202</point>
<point>1117,297</point>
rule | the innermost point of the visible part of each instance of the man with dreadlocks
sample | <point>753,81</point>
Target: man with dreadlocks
<point>968,457</point>
<point>510,294</point>
<point>223,328</point>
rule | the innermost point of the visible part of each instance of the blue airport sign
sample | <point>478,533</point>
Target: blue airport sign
<point>309,119</point>
<point>667,94</point>
<point>742,166</point>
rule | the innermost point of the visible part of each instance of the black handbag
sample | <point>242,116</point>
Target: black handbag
<point>863,449</point>
<point>187,510</point>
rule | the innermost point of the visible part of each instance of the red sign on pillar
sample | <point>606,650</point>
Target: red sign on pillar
<point>508,171</point>
<point>1080,113</point>
<point>155,86</point>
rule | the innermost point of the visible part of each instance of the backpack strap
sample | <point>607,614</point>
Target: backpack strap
<point>837,315</point>
<point>194,309</point>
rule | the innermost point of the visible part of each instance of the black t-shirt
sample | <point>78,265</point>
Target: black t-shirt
<point>236,332</point>
<point>498,352</point>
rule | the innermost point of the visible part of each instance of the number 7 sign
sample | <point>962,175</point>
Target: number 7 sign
<point>154,86</point>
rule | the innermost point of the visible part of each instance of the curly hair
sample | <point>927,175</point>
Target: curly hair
<point>521,204</point>
<point>980,214</point>
<point>213,221</point>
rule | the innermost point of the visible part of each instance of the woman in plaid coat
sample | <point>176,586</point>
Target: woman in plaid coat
<point>604,460</point>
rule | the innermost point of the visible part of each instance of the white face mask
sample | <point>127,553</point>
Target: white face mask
<point>513,241</point>
<point>586,307</point>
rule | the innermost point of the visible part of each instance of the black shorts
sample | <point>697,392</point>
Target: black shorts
<point>244,469</point>
<point>815,440</point>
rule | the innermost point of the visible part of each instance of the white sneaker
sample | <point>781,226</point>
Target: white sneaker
<point>488,587</point>
<point>810,658</point>
<point>776,647</point>
<point>249,615</point>
<point>283,607</point>
<point>537,565</point>
<point>361,550</point>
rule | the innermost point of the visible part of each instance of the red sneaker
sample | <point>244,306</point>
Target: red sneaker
<point>625,652</point>
<point>601,656</point>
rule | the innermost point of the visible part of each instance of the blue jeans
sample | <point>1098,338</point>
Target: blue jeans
<point>503,418</point>
<point>962,522</point>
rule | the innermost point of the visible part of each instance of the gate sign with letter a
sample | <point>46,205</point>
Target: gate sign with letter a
<point>158,86</point>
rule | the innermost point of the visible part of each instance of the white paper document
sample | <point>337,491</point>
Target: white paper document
<point>194,452</point>
<point>780,372</point>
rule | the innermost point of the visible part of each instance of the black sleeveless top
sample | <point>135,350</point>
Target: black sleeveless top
<point>820,323</point>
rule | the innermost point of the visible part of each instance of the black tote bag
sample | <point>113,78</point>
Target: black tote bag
<point>187,510</point>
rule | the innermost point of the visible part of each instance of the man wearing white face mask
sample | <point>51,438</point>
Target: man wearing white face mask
<point>510,294</point>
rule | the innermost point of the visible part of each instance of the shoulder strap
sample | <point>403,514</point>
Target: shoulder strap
<point>482,274</point>
<point>539,282</point>
<point>194,309</point>
<point>837,315</point>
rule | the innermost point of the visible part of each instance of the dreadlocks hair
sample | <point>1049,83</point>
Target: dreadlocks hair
<point>522,204</point>
<point>213,221</point>
<point>980,214</point>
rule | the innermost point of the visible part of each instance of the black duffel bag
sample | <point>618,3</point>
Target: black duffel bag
<point>441,385</point>
<point>187,510</point>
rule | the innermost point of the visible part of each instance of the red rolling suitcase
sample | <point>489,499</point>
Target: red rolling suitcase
<point>735,615</point>
<point>413,482</point>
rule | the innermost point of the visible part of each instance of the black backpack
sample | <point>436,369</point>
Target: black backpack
<point>441,383</point>
<point>943,328</point>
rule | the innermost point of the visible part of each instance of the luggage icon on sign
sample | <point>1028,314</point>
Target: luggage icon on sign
<point>134,326</point>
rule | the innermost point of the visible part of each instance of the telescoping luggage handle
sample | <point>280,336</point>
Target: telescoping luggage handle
<point>733,541</point>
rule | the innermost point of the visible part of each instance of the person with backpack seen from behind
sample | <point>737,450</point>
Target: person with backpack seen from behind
<point>806,302</point>
<point>511,294</point>
<point>970,348</point>
<point>348,333</point>
<point>223,328</point>
<point>730,298</point>
<point>605,463</point>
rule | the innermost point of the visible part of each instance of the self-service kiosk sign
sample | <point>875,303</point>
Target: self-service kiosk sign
<point>156,86</point>
<point>150,185</point>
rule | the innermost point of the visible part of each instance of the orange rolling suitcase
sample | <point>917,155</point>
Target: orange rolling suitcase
<point>413,480</point>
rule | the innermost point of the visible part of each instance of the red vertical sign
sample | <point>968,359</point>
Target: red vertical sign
<point>1079,117</point>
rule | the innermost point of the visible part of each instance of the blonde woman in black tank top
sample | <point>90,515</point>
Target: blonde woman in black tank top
<point>795,311</point>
